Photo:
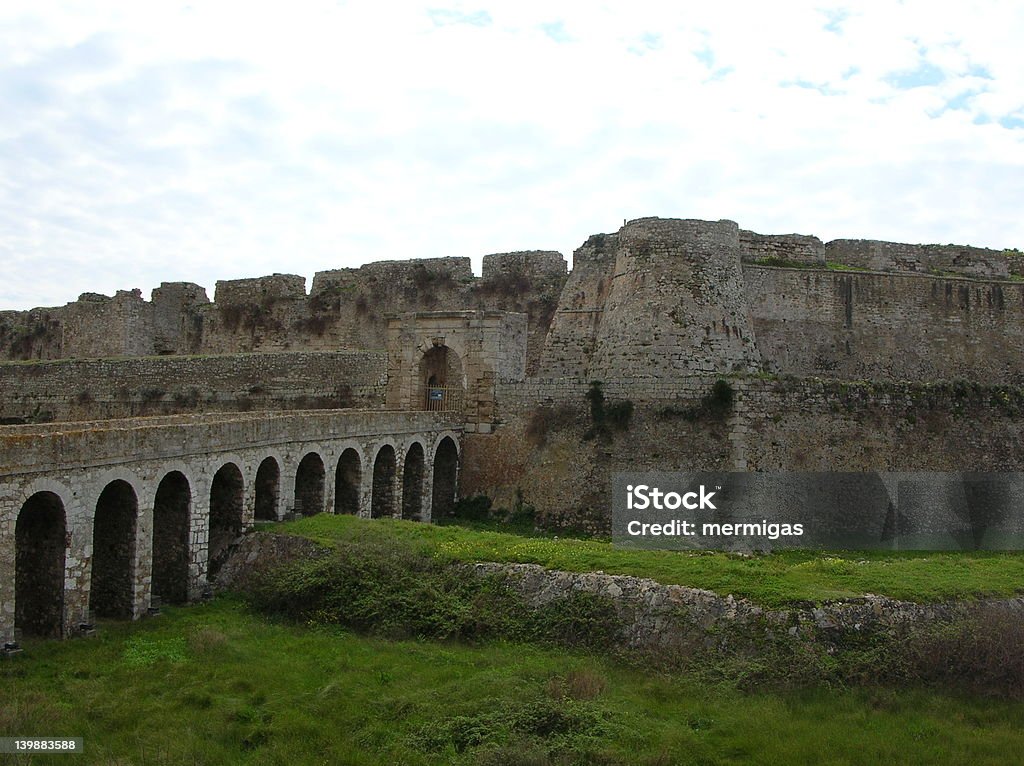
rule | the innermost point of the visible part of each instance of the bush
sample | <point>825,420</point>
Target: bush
<point>476,508</point>
<point>604,419</point>
<point>721,396</point>
<point>619,414</point>
<point>715,405</point>
<point>387,590</point>
<point>981,652</point>
<point>395,591</point>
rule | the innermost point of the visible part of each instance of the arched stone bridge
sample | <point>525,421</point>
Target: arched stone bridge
<point>105,515</point>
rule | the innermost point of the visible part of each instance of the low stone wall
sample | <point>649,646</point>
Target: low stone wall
<point>655,617</point>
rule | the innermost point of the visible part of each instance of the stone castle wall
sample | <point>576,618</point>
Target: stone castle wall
<point>939,260</point>
<point>790,248</point>
<point>661,298</point>
<point>85,389</point>
<point>542,456</point>
<point>346,309</point>
<point>860,326</point>
<point>676,305</point>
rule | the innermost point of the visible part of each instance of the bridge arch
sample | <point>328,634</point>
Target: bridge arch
<point>40,548</point>
<point>227,500</point>
<point>446,477</point>
<point>385,465</point>
<point>413,466</point>
<point>172,515</point>
<point>348,481</point>
<point>267,488</point>
<point>111,587</point>
<point>309,484</point>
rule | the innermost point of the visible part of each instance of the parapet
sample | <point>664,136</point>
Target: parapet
<point>935,260</point>
<point>275,287</point>
<point>542,264</point>
<point>457,269</point>
<point>677,231</point>
<point>797,249</point>
<point>179,293</point>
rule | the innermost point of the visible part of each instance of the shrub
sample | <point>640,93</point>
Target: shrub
<point>476,508</point>
<point>578,685</point>
<point>388,590</point>
<point>604,419</point>
<point>980,652</point>
<point>398,592</point>
<point>619,414</point>
<point>721,395</point>
<point>716,404</point>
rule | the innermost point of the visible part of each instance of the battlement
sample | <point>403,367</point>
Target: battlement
<point>260,289</point>
<point>937,260</point>
<point>784,248</point>
<point>531,264</point>
<point>677,231</point>
<point>659,298</point>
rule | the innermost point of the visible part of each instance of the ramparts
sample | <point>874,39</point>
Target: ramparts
<point>661,298</point>
<point>82,389</point>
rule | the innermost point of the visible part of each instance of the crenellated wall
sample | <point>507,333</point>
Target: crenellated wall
<point>346,309</point>
<point>660,299</point>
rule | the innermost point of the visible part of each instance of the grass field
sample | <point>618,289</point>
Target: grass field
<point>214,684</point>
<point>775,579</point>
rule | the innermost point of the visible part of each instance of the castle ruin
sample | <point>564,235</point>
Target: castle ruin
<point>849,355</point>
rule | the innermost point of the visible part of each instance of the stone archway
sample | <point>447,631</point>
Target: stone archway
<point>40,537</point>
<point>382,503</point>
<point>267,487</point>
<point>412,483</point>
<point>226,501</point>
<point>113,545</point>
<point>446,473</point>
<point>171,516</point>
<point>347,481</point>
<point>441,380</point>
<point>309,485</point>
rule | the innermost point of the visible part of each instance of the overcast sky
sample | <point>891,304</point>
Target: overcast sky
<point>151,141</point>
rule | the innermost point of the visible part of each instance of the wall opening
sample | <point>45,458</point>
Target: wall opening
<point>347,480</point>
<point>171,511</point>
<point>113,546</point>
<point>40,542</point>
<point>268,484</point>
<point>309,485</point>
<point>440,378</point>
<point>412,483</point>
<point>446,473</point>
<point>383,502</point>
<point>226,498</point>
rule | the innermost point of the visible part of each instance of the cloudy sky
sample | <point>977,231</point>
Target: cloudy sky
<point>143,142</point>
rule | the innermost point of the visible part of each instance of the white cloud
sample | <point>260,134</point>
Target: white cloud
<point>144,142</point>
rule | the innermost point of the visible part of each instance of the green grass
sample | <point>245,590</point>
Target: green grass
<point>771,580</point>
<point>214,684</point>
